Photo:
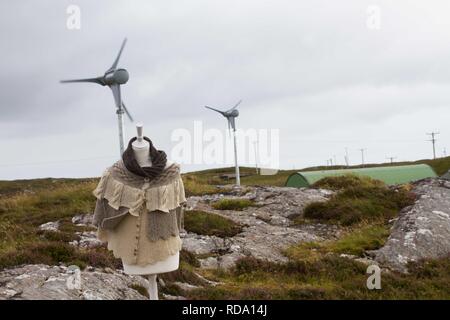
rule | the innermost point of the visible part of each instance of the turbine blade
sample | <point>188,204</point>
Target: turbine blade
<point>98,80</point>
<point>117,95</point>
<point>114,66</point>
<point>221,112</point>
<point>235,106</point>
<point>127,112</point>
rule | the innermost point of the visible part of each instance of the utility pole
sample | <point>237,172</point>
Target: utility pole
<point>255,144</point>
<point>238,174</point>
<point>391,158</point>
<point>362,155</point>
<point>346,157</point>
<point>335,161</point>
<point>433,141</point>
<point>445,152</point>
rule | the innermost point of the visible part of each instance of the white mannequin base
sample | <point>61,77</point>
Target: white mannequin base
<point>168,265</point>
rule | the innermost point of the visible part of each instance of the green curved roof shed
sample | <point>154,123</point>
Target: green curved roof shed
<point>389,174</point>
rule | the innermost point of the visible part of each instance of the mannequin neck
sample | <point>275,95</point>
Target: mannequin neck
<point>142,153</point>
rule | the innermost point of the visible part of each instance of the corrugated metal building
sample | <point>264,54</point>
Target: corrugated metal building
<point>389,174</point>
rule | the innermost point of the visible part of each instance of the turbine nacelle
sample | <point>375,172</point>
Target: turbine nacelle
<point>230,114</point>
<point>234,113</point>
<point>119,76</point>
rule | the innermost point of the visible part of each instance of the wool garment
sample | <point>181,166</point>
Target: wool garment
<point>140,217</point>
<point>129,242</point>
<point>160,225</point>
<point>123,188</point>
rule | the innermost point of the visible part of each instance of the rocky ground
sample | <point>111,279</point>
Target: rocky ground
<point>268,226</point>
<point>420,231</point>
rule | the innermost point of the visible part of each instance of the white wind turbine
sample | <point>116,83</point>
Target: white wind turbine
<point>231,115</point>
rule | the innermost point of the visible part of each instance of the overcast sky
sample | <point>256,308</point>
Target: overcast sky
<point>315,70</point>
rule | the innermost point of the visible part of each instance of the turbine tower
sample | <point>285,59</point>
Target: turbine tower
<point>231,116</point>
<point>113,78</point>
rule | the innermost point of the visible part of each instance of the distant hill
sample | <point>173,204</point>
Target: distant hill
<point>211,176</point>
<point>200,182</point>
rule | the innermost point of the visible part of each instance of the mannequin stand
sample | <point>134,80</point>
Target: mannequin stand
<point>152,287</point>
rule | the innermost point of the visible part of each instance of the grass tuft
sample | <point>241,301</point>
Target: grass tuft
<point>232,204</point>
<point>210,224</point>
<point>358,199</point>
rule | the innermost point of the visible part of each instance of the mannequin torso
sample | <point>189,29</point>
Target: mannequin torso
<point>141,151</point>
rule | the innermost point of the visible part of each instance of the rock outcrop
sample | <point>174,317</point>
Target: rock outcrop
<point>42,282</point>
<point>267,227</point>
<point>421,230</point>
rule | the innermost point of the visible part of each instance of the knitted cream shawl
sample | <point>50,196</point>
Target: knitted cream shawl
<point>122,188</point>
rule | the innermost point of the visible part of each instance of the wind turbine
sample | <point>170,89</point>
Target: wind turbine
<point>231,116</point>
<point>113,78</point>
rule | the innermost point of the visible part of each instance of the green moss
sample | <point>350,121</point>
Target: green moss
<point>205,223</point>
<point>232,204</point>
<point>355,242</point>
<point>361,240</point>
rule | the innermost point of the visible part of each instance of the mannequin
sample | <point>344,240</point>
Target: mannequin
<point>141,151</point>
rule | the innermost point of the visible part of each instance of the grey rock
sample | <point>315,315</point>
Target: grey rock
<point>83,219</point>
<point>185,286</point>
<point>200,244</point>
<point>209,263</point>
<point>421,230</point>
<point>50,226</point>
<point>170,297</point>
<point>207,281</point>
<point>87,239</point>
<point>43,282</point>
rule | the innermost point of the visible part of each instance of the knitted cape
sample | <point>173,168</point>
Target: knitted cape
<point>121,192</point>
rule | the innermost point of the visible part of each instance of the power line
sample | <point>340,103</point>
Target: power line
<point>433,141</point>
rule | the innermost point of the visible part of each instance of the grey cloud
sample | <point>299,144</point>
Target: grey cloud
<point>310,69</point>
